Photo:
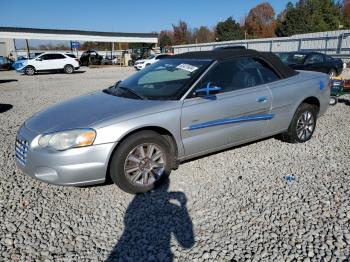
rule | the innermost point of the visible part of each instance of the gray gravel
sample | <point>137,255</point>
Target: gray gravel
<point>234,205</point>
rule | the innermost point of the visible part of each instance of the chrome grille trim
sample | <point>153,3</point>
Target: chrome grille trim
<point>21,150</point>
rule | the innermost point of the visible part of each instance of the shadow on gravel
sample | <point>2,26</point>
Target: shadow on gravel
<point>231,148</point>
<point>344,101</point>
<point>5,107</point>
<point>57,73</point>
<point>150,221</point>
<point>3,81</point>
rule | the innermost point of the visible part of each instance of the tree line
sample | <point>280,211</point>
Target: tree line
<point>305,16</point>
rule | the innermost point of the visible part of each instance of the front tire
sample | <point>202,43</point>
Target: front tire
<point>302,126</point>
<point>29,70</point>
<point>141,162</point>
<point>68,69</point>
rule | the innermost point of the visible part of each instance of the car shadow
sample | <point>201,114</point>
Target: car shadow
<point>109,181</point>
<point>5,107</point>
<point>277,137</point>
<point>344,101</point>
<point>79,72</point>
<point>150,221</point>
<point>3,81</point>
<point>59,73</point>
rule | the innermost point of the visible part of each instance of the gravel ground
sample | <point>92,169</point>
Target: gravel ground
<point>234,205</point>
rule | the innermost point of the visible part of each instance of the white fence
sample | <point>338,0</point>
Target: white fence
<point>334,43</point>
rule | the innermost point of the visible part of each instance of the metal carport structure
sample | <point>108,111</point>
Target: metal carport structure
<point>10,33</point>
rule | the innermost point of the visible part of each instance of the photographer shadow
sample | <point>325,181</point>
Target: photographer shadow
<point>5,107</point>
<point>150,221</point>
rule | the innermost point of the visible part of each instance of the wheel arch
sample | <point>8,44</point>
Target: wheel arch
<point>68,65</point>
<point>312,100</point>
<point>160,130</point>
<point>29,66</point>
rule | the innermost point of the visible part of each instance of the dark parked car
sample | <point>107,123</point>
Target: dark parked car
<point>90,57</point>
<point>5,63</point>
<point>312,61</point>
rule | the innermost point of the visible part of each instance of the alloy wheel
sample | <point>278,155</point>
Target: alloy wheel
<point>145,164</point>
<point>305,126</point>
<point>30,71</point>
<point>69,69</point>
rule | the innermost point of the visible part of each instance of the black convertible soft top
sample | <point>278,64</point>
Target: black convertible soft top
<point>223,54</point>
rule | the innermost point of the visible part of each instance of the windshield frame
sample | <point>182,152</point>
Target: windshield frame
<point>199,78</point>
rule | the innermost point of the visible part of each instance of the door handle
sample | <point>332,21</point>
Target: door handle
<point>262,99</point>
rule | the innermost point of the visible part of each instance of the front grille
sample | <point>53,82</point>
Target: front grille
<point>21,150</point>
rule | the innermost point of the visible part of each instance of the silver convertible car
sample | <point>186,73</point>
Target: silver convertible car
<point>185,106</point>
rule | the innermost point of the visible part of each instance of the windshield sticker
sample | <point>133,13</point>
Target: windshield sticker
<point>187,67</point>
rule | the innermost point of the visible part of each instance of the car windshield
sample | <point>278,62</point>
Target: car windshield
<point>292,58</point>
<point>151,57</point>
<point>167,79</point>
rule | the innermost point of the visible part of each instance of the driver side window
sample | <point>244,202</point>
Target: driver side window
<point>45,57</point>
<point>237,74</point>
<point>314,59</point>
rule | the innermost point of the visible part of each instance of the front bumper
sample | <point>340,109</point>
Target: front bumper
<point>74,167</point>
<point>139,66</point>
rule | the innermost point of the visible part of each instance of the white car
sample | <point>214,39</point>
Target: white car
<point>141,64</point>
<point>49,62</point>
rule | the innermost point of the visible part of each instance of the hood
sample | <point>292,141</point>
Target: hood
<point>140,61</point>
<point>87,110</point>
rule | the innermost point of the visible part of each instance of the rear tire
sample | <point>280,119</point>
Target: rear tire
<point>333,100</point>
<point>68,69</point>
<point>302,126</point>
<point>29,70</point>
<point>141,162</point>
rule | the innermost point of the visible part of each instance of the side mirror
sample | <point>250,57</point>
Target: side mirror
<point>39,59</point>
<point>208,91</point>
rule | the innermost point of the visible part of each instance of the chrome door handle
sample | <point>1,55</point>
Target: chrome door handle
<point>262,99</point>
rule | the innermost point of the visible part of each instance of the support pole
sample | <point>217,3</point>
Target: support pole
<point>27,45</point>
<point>112,49</point>
<point>14,44</point>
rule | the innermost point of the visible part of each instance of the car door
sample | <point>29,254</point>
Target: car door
<point>58,61</point>
<point>315,62</point>
<point>238,113</point>
<point>42,62</point>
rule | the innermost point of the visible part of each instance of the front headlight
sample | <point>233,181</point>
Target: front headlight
<point>68,139</point>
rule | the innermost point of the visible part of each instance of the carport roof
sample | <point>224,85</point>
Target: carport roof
<point>74,32</point>
<point>78,35</point>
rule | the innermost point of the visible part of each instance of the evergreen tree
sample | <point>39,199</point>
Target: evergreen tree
<point>228,30</point>
<point>309,16</point>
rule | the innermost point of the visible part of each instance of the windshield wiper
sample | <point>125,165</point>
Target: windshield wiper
<point>133,92</point>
